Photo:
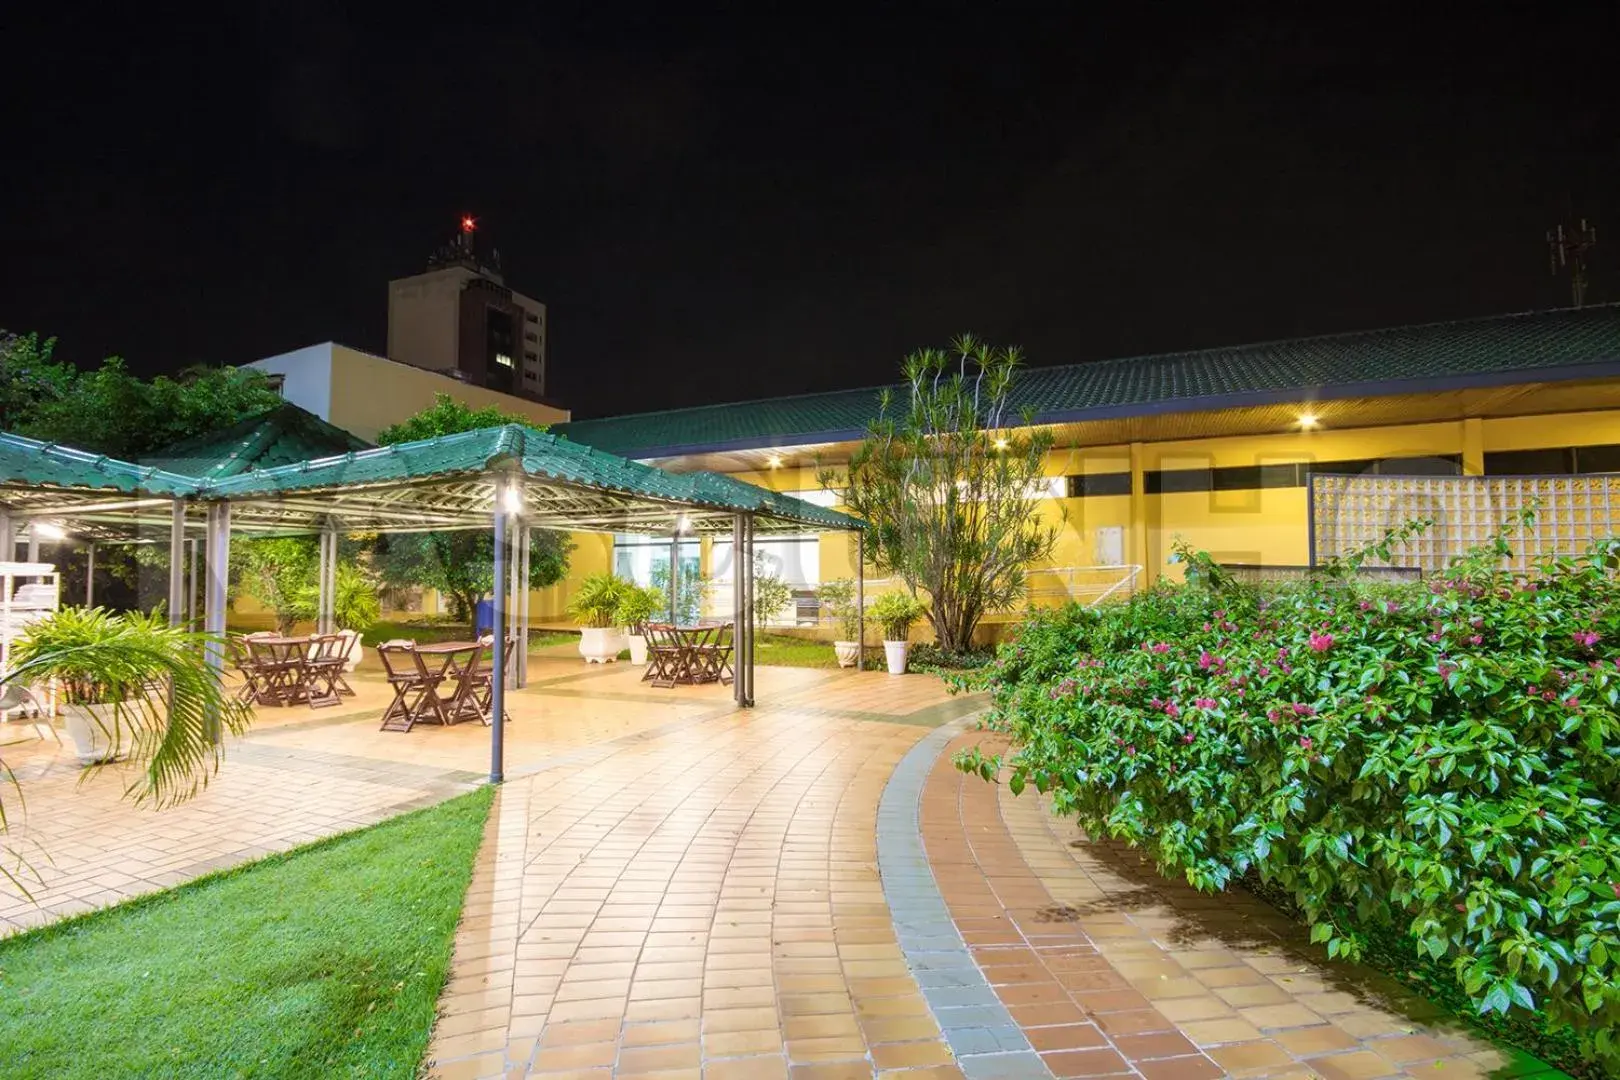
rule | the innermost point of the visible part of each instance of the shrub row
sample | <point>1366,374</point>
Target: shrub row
<point>1441,758</point>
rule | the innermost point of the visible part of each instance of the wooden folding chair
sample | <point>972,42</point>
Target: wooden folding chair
<point>416,690</point>
<point>254,689</point>
<point>713,654</point>
<point>483,687</point>
<point>323,670</point>
<point>666,655</point>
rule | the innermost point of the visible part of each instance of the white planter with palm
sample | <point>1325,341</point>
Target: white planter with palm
<point>838,597</point>
<point>895,612</point>
<point>636,607</point>
<point>595,607</point>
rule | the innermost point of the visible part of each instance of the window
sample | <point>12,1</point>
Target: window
<point>531,356</point>
<point>530,376</point>
<point>531,336</point>
<point>1082,486</point>
<point>503,359</point>
<point>532,317</point>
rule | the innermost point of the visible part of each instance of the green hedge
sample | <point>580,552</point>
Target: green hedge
<point>1442,759</point>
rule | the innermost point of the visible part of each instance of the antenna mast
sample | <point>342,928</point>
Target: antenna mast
<point>1569,249</point>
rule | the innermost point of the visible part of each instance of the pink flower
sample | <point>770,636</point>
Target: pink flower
<point>1204,703</point>
<point>1446,669</point>
<point>1187,738</point>
<point>1587,637</point>
<point>1171,710</point>
<point>1391,607</point>
<point>1205,660</point>
<point>1303,710</point>
<point>1365,605</point>
<point>1476,639</point>
<point>1572,702</point>
<point>1305,741</point>
<point>1321,642</point>
<point>1435,637</point>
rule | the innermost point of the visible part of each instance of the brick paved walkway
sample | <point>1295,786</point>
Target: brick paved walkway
<point>1111,969</point>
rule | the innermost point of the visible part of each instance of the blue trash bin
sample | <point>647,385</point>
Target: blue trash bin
<point>483,618</point>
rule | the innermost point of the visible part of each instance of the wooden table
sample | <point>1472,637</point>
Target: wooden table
<point>688,655</point>
<point>288,673</point>
<point>459,669</point>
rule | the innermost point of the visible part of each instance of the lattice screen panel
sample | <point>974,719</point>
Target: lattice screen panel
<point>1350,512</point>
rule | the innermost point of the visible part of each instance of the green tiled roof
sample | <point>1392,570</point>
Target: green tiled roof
<point>281,435</point>
<point>1499,350</point>
<point>539,455</point>
<point>41,464</point>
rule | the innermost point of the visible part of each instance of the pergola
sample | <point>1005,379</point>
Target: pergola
<point>511,479</point>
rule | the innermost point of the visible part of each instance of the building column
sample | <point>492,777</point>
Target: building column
<point>1138,530</point>
<point>738,612</point>
<point>90,575</point>
<point>497,682</point>
<point>192,597</point>
<point>8,538</point>
<point>177,562</point>
<point>523,609</point>
<point>745,667</point>
<point>1473,446</point>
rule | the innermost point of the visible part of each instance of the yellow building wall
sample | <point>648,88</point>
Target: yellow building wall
<point>370,393</point>
<point>1266,525</point>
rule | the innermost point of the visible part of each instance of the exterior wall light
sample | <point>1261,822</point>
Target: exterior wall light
<point>1307,421</point>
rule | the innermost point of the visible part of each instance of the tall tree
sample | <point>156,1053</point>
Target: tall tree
<point>28,377</point>
<point>111,411</point>
<point>949,484</point>
<point>460,565</point>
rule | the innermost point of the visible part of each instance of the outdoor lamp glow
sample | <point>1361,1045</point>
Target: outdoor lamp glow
<point>46,530</point>
<point>1307,421</point>
<point>512,499</point>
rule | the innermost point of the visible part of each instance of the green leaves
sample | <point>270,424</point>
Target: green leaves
<point>1439,758</point>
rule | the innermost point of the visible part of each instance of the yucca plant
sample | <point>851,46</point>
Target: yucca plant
<point>597,601</point>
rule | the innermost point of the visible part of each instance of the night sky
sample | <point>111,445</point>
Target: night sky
<point>724,207</point>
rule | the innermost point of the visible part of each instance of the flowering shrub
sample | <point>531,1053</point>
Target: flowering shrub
<point>1443,758</point>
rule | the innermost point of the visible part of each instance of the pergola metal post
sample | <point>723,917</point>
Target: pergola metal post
<point>744,649</point>
<point>497,702</point>
<point>674,573</point>
<point>514,604</point>
<point>8,539</point>
<point>177,562</point>
<point>33,541</point>
<point>192,599</point>
<point>522,664</point>
<point>217,545</point>
<point>739,691</point>
<point>90,575</point>
<point>325,622</point>
<point>860,601</point>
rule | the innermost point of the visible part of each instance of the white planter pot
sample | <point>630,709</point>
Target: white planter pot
<point>638,648</point>
<point>848,653</point>
<point>897,653</point>
<point>600,644</point>
<point>85,727</point>
<point>351,659</point>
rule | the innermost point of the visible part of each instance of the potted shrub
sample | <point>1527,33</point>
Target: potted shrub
<point>356,607</point>
<point>636,607</point>
<point>595,607</point>
<point>130,686</point>
<point>895,612</point>
<point>839,598</point>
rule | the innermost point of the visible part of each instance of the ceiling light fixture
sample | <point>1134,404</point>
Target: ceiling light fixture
<point>513,499</point>
<point>45,530</point>
<point>1001,444</point>
<point>774,461</point>
<point>1308,421</point>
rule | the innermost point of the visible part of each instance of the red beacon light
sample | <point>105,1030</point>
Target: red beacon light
<point>468,223</point>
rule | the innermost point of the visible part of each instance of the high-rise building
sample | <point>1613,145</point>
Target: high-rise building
<point>459,318</point>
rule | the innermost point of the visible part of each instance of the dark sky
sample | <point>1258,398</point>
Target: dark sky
<point>718,207</point>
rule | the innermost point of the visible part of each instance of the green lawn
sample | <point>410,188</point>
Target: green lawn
<point>784,650</point>
<point>323,962</point>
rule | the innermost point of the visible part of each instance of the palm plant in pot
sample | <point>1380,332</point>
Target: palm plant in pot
<point>596,607</point>
<point>636,608</point>
<point>131,686</point>
<point>895,612</point>
<point>838,597</point>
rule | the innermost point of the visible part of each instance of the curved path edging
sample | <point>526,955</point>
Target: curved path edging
<point>981,1033</point>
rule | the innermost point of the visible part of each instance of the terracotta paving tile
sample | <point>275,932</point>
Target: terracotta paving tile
<point>1355,1065</point>
<point>1244,1057</point>
<point>1161,1044</point>
<point>1100,1062</point>
<point>1182,1068</point>
<point>749,1068</point>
